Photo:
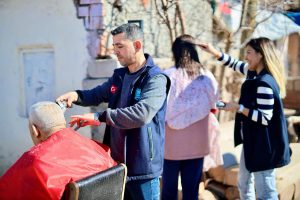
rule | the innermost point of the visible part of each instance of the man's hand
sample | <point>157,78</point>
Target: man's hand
<point>84,120</point>
<point>69,97</point>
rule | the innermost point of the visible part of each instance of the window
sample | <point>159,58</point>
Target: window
<point>37,83</point>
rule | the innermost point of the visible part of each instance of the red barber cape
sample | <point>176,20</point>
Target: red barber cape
<point>44,171</point>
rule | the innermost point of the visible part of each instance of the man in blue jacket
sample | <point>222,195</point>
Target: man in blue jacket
<point>135,125</point>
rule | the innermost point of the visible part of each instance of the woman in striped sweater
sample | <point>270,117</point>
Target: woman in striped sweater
<point>260,123</point>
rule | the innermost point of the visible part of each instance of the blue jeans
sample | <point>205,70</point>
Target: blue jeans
<point>190,172</point>
<point>265,184</point>
<point>142,189</point>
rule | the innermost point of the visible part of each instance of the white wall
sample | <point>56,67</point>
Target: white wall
<point>30,25</point>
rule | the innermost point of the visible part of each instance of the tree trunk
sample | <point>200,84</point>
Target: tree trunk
<point>248,20</point>
<point>181,17</point>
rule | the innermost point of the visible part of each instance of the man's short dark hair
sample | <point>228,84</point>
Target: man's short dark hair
<point>131,30</point>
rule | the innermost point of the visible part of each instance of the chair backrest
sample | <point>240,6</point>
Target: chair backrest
<point>106,185</point>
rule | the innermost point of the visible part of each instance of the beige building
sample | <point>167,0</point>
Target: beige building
<point>42,55</point>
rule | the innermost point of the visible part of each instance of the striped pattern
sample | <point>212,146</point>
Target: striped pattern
<point>233,63</point>
<point>264,95</point>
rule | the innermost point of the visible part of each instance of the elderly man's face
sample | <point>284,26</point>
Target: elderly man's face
<point>124,49</point>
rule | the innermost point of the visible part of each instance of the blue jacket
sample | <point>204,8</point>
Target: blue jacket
<point>144,146</point>
<point>265,147</point>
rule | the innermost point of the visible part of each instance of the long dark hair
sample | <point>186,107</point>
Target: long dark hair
<point>186,56</point>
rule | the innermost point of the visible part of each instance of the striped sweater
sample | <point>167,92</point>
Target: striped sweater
<point>265,95</point>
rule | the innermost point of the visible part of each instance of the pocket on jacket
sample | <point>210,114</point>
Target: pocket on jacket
<point>267,140</point>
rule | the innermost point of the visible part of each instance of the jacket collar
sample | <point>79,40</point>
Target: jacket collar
<point>262,72</point>
<point>149,60</point>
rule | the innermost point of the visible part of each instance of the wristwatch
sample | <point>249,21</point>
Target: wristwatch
<point>241,108</point>
<point>96,116</point>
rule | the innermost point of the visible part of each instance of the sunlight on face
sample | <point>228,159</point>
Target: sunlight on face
<point>124,49</point>
<point>253,58</point>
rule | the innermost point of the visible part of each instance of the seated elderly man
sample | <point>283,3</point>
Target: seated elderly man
<point>59,156</point>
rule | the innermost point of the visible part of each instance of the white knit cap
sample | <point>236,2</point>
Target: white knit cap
<point>46,115</point>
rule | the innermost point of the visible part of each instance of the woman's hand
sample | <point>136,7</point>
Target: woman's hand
<point>230,106</point>
<point>209,49</point>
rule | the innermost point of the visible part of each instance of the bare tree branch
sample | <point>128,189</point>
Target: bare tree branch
<point>158,11</point>
<point>165,17</point>
<point>181,17</point>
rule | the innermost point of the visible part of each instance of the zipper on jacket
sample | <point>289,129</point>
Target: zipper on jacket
<point>149,130</point>
<point>125,144</point>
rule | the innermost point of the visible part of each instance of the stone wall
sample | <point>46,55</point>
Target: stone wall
<point>197,15</point>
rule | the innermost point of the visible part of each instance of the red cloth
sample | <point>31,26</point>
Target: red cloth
<point>44,171</point>
<point>225,9</point>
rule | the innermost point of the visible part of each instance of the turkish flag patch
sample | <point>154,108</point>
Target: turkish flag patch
<point>113,89</point>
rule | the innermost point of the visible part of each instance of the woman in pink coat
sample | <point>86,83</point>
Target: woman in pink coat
<point>193,93</point>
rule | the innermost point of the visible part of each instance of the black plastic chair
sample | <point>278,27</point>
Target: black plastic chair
<point>106,185</point>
